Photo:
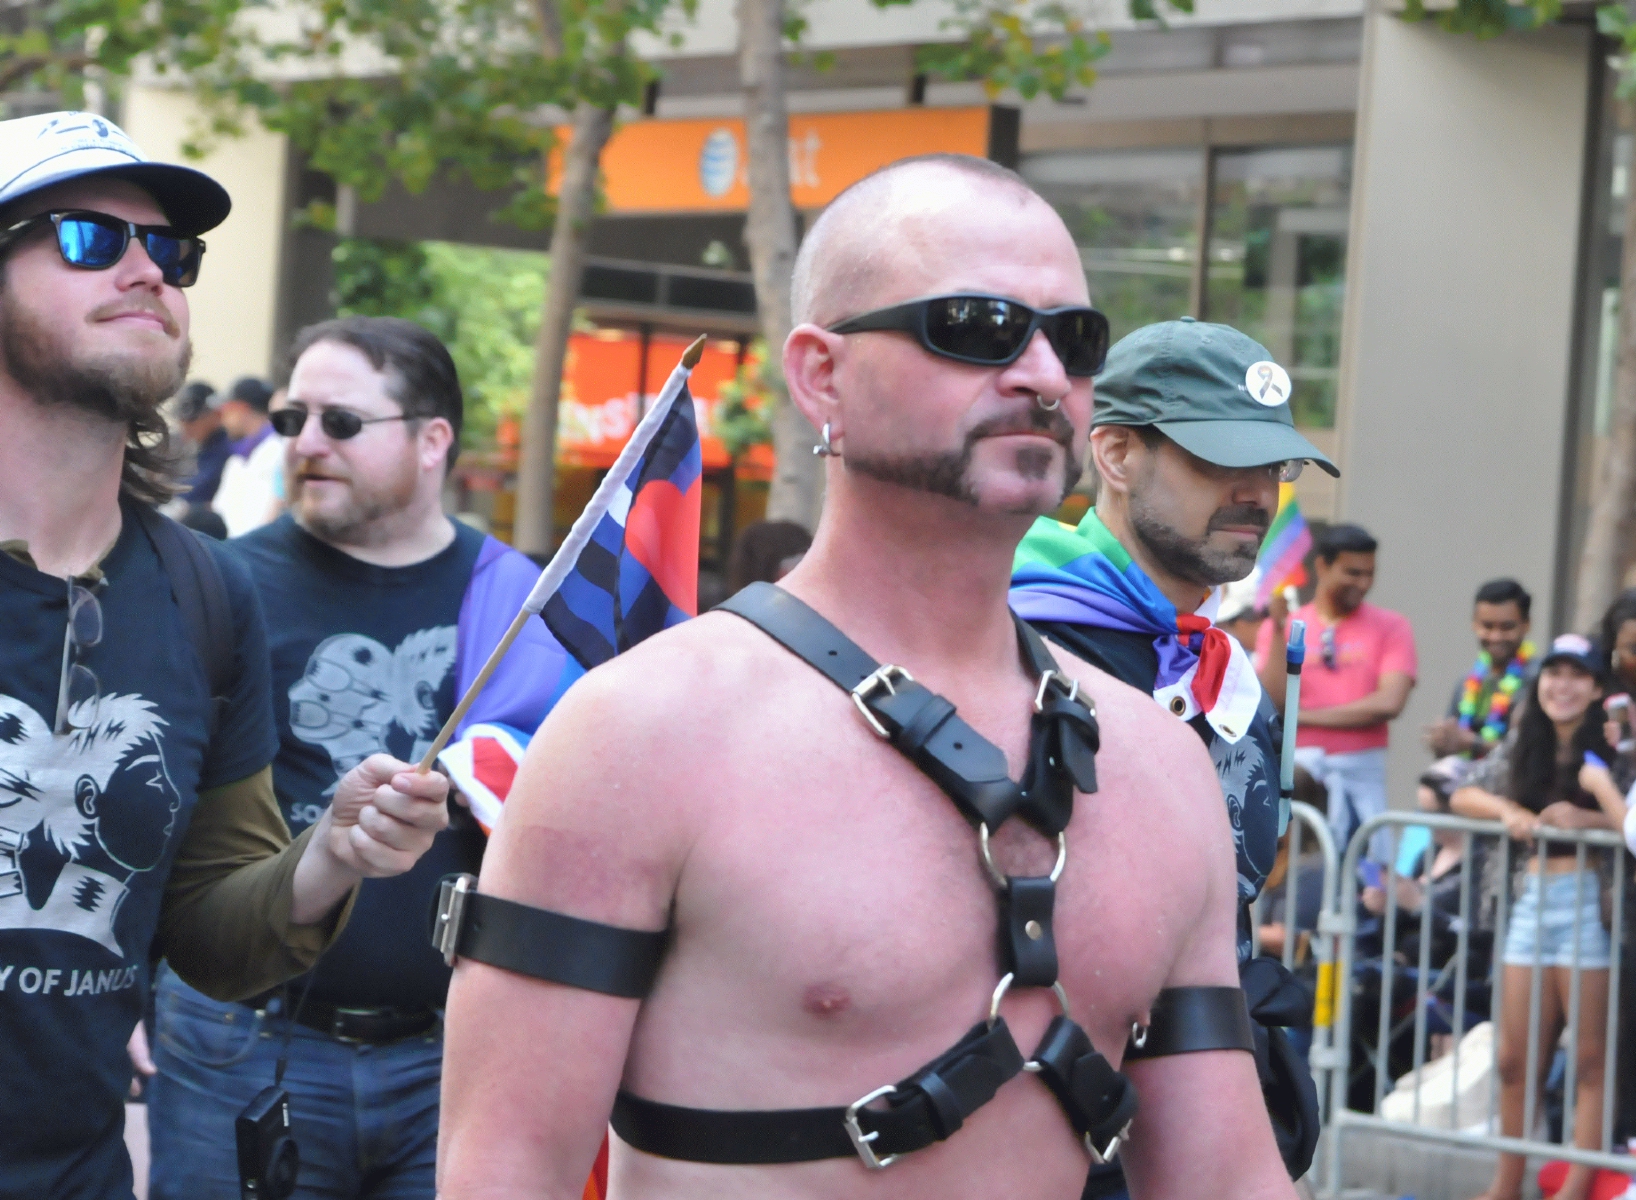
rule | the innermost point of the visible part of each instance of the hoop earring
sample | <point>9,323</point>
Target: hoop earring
<point>1056,403</point>
<point>824,449</point>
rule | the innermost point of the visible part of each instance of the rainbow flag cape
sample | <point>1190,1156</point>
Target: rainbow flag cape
<point>1284,549</point>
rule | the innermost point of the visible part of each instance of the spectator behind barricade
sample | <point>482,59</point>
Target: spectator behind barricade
<point>198,412</point>
<point>765,552</point>
<point>1483,703</point>
<point>1550,773</point>
<point>248,496</point>
<point>1238,613</point>
<point>1360,667</point>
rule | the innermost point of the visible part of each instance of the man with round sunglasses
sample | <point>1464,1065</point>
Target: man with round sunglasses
<point>380,609</point>
<point>789,815</point>
<point>1191,436</point>
<point>137,816</point>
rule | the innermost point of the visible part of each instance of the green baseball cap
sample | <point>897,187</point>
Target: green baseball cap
<point>1213,391</point>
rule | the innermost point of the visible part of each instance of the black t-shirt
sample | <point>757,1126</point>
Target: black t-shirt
<point>1248,768</point>
<point>90,822</point>
<point>364,663</point>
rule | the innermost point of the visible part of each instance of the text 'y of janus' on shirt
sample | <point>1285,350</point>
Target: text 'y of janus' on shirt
<point>49,981</point>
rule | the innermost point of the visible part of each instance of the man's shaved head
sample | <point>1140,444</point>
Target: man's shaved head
<point>848,255</point>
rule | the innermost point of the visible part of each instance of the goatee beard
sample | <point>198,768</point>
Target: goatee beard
<point>125,390</point>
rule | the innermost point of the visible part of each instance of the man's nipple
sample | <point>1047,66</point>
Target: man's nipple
<point>825,1000</point>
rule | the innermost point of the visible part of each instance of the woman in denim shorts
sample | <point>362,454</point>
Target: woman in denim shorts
<point>1549,774</point>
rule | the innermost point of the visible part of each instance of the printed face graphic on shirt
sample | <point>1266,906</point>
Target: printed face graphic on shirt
<point>355,690</point>
<point>80,815</point>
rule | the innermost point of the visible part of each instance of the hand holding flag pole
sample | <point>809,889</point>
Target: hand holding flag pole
<point>1294,657</point>
<point>562,562</point>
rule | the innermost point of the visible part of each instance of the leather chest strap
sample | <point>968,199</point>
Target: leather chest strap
<point>926,1107</point>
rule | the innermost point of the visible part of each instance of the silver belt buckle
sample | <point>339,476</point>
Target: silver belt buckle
<point>451,914</point>
<point>860,1139</point>
<point>1104,1157</point>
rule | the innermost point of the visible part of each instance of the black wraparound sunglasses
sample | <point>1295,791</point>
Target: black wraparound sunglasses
<point>337,423</point>
<point>95,241</point>
<point>992,331</point>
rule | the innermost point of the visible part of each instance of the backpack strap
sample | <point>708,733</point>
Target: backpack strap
<point>201,593</point>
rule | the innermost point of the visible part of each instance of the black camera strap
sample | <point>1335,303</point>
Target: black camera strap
<point>289,1021</point>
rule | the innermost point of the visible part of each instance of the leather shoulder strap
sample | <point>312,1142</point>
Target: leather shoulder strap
<point>803,633</point>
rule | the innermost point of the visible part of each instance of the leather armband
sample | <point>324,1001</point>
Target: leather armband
<point>1190,1019</point>
<point>543,944</point>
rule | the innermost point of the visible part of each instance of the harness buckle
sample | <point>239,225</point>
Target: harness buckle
<point>451,914</point>
<point>1103,1157</point>
<point>1068,685</point>
<point>861,1140</point>
<point>880,677</point>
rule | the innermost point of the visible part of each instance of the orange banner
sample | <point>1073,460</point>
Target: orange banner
<point>700,165</point>
<point>600,404</point>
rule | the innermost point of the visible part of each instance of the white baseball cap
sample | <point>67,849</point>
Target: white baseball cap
<point>51,148</point>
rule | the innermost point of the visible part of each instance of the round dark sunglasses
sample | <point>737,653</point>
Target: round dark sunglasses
<point>992,331</point>
<point>338,424</point>
<point>95,241</point>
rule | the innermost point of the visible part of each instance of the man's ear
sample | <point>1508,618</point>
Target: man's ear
<point>1116,452</point>
<point>432,446</point>
<point>809,374</point>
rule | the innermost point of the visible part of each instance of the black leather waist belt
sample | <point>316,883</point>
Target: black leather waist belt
<point>370,1026</point>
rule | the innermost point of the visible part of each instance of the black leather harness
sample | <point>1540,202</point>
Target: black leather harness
<point>933,1102</point>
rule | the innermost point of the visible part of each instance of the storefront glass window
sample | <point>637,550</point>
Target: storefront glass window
<point>1277,266</point>
<point>1135,216</point>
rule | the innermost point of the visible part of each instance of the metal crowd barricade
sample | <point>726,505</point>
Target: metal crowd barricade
<point>1308,821</point>
<point>1342,920</point>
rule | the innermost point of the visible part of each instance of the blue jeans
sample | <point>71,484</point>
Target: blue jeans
<point>364,1117</point>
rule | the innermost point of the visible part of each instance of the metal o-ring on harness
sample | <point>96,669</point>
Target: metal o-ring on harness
<point>1000,878</point>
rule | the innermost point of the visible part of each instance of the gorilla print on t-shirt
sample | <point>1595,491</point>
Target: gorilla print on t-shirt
<point>357,698</point>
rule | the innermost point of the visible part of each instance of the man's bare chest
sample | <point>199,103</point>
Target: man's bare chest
<point>848,897</point>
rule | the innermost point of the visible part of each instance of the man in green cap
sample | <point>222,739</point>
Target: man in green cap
<point>1191,436</point>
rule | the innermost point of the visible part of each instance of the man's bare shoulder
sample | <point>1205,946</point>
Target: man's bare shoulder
<point>674,697</point>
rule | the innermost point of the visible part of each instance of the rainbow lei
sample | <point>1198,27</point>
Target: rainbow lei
<point>1499,700</point>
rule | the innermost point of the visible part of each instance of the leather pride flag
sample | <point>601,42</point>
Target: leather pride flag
<point>639,573</point>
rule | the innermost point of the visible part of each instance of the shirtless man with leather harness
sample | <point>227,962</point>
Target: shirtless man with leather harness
<point>883,911</point>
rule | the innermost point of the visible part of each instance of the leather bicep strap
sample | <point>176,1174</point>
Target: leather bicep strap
<point>1190,1019</point>
<point>544,944</point>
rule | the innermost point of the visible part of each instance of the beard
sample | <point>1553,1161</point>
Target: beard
<point>352,522</point>
<point>1194,559</point>
<point>948,473</point>
<point>127,389</point>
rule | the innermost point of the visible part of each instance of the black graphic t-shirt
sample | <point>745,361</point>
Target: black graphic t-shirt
<point>364,663</point>
<point>1248,768</point>
<point>90,822</point>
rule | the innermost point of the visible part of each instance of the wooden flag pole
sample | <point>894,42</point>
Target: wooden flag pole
<point>562,561</point>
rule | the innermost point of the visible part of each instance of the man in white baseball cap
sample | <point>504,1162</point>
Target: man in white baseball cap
<point>137,815</point>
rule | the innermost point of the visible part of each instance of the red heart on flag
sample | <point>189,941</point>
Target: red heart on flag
<point>662,533</point>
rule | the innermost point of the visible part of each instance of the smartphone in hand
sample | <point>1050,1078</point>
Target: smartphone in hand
<point>1618,710</point>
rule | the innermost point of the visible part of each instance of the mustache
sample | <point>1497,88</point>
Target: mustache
<point>1240,514</point>
<point>134,304</point>
<point>307,468</point>
<point>1032,419</point>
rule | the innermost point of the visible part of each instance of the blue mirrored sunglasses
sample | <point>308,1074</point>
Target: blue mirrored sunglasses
<point>95,241</point>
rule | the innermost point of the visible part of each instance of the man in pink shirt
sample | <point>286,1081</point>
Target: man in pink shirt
<point>1360,667</point>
